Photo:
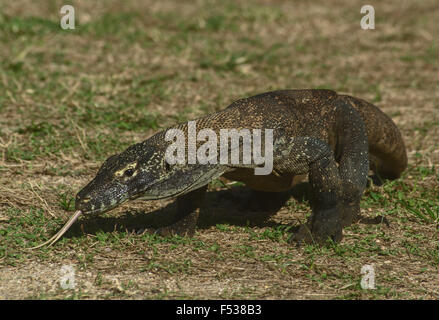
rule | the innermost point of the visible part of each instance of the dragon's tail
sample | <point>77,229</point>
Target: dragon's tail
<point>388,155</point>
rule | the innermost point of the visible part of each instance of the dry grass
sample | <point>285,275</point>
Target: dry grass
<point>69,99</point>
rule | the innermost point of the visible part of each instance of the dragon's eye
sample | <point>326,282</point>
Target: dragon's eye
<point>128,172</point>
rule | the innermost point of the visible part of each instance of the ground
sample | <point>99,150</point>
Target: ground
<point>71,98</point>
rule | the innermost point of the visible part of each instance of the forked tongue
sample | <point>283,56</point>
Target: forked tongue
<point>60,233</point>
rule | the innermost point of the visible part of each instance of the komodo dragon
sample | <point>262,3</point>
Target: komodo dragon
<point>333,138</point>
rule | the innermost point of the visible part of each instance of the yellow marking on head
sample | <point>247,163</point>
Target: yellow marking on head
<point>120,172</point>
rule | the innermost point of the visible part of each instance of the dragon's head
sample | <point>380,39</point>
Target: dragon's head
<point>141,171</point>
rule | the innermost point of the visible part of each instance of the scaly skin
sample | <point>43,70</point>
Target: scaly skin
<point>316,132</point>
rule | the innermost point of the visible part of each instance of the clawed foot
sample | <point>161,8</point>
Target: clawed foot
<point>168,232</point>
<point>322,228</point>
<point>183,228</point>
<point>302,236</point>
<point>175,230</point>
<point>375,220</point>
<point>351,214</point>
<point>305,235</point>
<point>325,227</point>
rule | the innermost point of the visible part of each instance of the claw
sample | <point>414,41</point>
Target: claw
<point>308,235</point>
